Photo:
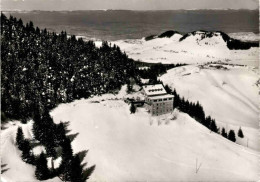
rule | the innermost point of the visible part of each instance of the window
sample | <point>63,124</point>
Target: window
<point>160,99</point>
<point>155,100</point>
<point>165,99</point>
<point>170,98</point>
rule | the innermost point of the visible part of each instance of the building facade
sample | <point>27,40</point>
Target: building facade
<point>157,101</point>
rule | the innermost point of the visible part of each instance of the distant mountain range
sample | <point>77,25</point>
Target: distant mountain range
<point>213,9</point>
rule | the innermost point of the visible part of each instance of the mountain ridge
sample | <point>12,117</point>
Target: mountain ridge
<point>231,43</point>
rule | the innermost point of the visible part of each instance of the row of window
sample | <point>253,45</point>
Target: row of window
<point>162,104</point>
<point>165,99</point>
<point>161,112</point>
<point>158,109</point>
<point>155,90</point>
<point>162,107</point>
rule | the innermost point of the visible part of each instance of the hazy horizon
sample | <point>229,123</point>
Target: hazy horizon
<point>135,10</point>
<point>136,5</point>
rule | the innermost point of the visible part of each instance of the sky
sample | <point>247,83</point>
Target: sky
<point>126,4</point>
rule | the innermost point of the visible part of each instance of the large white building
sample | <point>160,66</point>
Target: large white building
<point>157,101</point>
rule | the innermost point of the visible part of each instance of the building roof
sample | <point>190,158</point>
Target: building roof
<point>157,89</point>
<point>161,96</point>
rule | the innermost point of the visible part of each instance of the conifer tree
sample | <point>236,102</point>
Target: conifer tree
<point>37,126</point>
<point>19,138</point>
<point>240,133</point>
<point>224,133</point>
<point>207,122</point>
<point>213,126</point>
<point>42,171</point>
<point>27,154</point>
<point>167,89</point>
<point>87,172</point>
<point>132,108</point>
<point>76,170</point>
<point>50,149</point>
<point>67,157</point>
<point>44,130</point>
<point>232,136</point>
<point>60,133</point>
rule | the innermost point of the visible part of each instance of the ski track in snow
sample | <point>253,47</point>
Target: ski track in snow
<point>223,89</point>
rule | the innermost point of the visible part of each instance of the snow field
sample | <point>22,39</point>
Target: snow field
<point>192,50</point>
<point>229,96</point>
<point>126,147</point>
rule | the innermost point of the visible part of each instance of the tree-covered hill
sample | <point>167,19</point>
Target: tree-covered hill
<point>48,68</point>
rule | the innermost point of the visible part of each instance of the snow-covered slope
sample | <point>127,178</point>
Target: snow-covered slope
<point>196,47</point>
<point>134,147</point>
<point>245,36</point>
<point>138,147</point>
<point>17,170</point>
<point>203,38</point>
<point>228,95</point>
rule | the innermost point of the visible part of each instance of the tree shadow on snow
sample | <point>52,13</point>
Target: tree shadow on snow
<point>3,168</point>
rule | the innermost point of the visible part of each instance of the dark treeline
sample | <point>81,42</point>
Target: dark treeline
<point>49,68</point>
<point>167,34</point>
<point>232,44</point>
<point>196,111</point>
<point>153,70</point>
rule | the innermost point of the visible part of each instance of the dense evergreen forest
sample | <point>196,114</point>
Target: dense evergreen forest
<point>41,69</point>
<point>49,68</point>
<point>153,70</point>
